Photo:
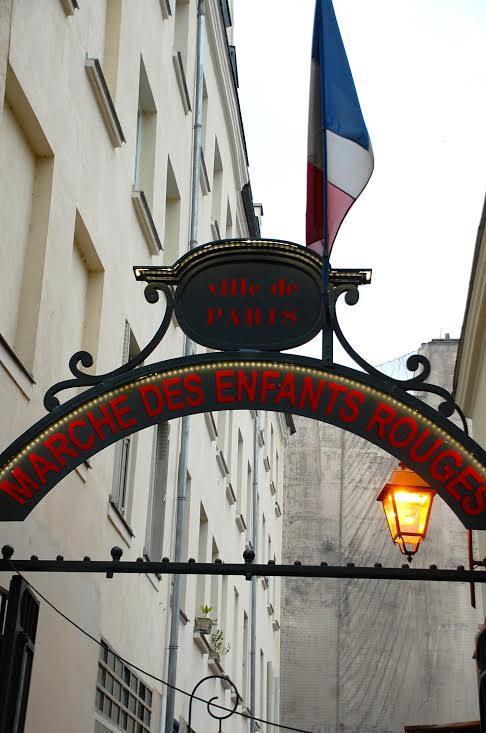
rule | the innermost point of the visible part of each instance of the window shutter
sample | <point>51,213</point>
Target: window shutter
<point>122,447</point>
<point>159,490</point>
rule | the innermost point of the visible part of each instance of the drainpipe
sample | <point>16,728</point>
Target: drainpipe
<point>182,471</point>
<point>254,580</point>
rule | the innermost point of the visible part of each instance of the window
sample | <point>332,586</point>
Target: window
<point>244,661</point>
<point>181,30</point>
<point>172,217</point>
<point>214,585</point>
<point>229,223</point>
<point>224,605</point>
<point>185,541</point>
<point>249,504</point>
<point>202,546</point>
<point>145,138</point>
<point>103,37</point>
<point>25,160</point>
<point>112,43</point>
<point>262,686</point>
<point>272,443</point>
<point>204,115</point>
<point>263,551</point>
<point>277,477</point>
<point>157,497</point>
<point>83,308</point>
<point>126,447</point>
<point>121,696</point>
<point>235,638</point>
<point>217,190</point>
<point>239,472</point>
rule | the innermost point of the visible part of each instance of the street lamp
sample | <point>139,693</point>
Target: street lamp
<point>407,501</point>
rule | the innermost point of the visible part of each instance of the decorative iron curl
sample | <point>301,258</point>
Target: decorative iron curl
<point>85,359</point>
<point>211,700</point>
<point>414,363</point>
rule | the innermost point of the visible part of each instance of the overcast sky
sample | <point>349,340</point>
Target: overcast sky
<point>420,71</point>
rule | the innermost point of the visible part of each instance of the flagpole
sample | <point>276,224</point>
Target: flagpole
<point>327,339</point>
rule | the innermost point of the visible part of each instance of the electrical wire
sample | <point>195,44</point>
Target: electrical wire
<point>144,671</point>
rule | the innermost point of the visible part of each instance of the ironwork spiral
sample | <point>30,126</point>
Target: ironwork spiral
<point>228,713</point>
<point>414,362</point>
<point>85,359</point>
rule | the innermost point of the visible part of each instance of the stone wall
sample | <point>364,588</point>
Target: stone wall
<point>362,655</point>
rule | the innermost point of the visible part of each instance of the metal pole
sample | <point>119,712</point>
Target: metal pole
<point>182,470</point>
<point>254,579</point>
<point>327,337</point>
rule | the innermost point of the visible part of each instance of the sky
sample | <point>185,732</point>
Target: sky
<point>420,72</point>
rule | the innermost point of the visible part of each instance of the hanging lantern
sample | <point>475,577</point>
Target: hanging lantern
<point>407,501</point>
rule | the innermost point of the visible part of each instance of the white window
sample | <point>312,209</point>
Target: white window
<point>172,217</point>
<point>145,138</point>
<point>125,450</point>
<point>122,699</point>
<point>217,188</point>
<point>154,536</point>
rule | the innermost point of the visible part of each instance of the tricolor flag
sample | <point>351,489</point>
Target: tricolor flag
<point>339,148</point>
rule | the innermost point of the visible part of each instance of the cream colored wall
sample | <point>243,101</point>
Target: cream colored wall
<point>83,192</point>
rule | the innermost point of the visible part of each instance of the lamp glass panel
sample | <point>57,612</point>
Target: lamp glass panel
<point>412,510</point>
<point>390,515</point>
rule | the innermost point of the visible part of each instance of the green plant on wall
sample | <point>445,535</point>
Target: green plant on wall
<point>217,644</point>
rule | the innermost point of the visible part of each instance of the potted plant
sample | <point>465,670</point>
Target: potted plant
<point>217,645</point>
<point>203,623</point>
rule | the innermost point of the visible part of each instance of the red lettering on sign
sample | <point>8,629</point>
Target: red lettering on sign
<point>408,434</point>
<point>75,439</point>
<point>429,452</point>
<point>247,384</point>
<point>287,390</point>
<point>22,489</point>
<point>383,415</point>
<point>214,313</point>
<point>172,393</point>
<point>42,466</point>
<point>57,445</point>
<point>152,399</point>
<point>120,412</point>
<point>475,504</point>
<point>442,470</point>
<point>267,384</point>
<point>353,399</point>
<point>222,385</point>
<point>195,393</point>
<point>281,287</point>
<point>463,479</point>
<point>335,390</point>
<point>311,392</point>
<point>98,423</point>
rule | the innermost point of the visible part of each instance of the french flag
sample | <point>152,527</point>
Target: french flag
<point>340,158</point>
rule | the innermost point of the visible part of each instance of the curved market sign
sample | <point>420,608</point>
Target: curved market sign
<point>448,460</point>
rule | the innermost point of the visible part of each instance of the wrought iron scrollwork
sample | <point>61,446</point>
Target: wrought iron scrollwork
<point>417,363</point>
<point>85,359</point>
<point>209,703</point>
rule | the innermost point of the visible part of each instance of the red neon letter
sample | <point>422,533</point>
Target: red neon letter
<point>383,415</point>
<point>61,448</point>
<point>75,440</point>
<point>119,412</point>
<point>222,386</point>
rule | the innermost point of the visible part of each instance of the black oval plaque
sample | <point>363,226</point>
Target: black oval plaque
<point>260,301</point>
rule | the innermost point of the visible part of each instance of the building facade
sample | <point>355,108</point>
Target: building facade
<point>368,656</point>
<point>96,130</point>
<point>470,372</point>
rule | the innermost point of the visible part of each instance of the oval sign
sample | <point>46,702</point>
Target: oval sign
<point>254,302</point>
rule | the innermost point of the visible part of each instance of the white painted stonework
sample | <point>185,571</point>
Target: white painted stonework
<point>70,234</point>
